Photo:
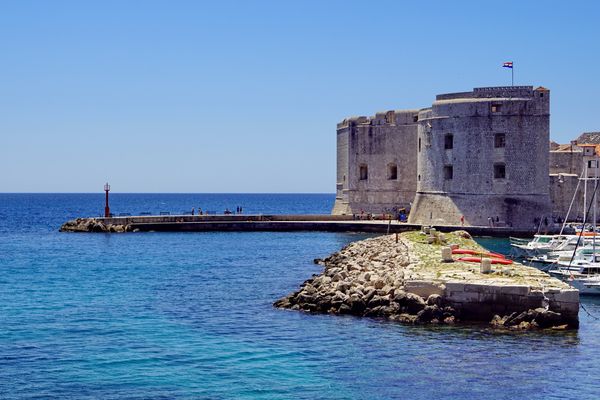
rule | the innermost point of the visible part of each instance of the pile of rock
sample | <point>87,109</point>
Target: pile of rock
<point>407,279</point>
<point>366,278</point>
<point>92,225</point>
<point>536,318</point>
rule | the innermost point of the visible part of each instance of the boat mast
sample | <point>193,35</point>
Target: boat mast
<point>595,202</point>
<point>562,228</point>
<point>585,178</point>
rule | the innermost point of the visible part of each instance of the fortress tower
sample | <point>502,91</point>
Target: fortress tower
<point>483,154</point>
<point>376,162</point>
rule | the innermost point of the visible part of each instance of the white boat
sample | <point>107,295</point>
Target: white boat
<point>568,250</point>
<point>586,279</point>
<point>541,244</point>
<point>581,268</point>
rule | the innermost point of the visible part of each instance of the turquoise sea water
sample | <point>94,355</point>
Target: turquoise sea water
<point>189,315</point>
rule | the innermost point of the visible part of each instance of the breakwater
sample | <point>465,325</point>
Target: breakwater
<point>405,279</point>
<point>274,223</point>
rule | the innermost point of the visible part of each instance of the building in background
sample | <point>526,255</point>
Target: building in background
<point>480,155</point>
<point>376,163</point>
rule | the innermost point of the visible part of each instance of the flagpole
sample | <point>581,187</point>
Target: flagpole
<point>512,74</point>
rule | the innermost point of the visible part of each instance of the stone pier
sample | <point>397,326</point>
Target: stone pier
<point>405,279</point>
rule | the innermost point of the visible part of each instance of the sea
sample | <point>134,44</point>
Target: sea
<point>190,316</point>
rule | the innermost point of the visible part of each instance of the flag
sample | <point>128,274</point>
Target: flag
<point>507,64</point>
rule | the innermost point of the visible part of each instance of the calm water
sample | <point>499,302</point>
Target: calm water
<point>189,315</point>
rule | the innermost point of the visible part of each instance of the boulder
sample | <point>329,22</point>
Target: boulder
<point>357,305</point>
<point>451,320</point>
<point>283,303</point>
<point>547,319</point>
<point>304,298</point>
<point>410,303</point>
<point>377,301</point>
<point>324,302</point>
<point>429,313</point>
<point>379,284</point>
<point>309,289</point>
<point>405,318</point>
<point>344,309</point>
<point>435,299</point>
<point>343,286</point>
<point>368,294</point>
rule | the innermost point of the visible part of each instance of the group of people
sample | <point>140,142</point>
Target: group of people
<point>238,210</point>
<point>400,215</point>
<point>492,222</point>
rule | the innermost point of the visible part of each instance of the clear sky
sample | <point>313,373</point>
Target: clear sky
<point>244,96</point>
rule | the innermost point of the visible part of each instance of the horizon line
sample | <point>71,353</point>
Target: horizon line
<point>102,192</point>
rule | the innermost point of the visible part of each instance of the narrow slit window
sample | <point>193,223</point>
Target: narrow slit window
<point>363,172</point>
<point>449,141</point>
<point>499,140</point>
<point>392,172</point>
<point>499,171</point>
<point>448,172</point>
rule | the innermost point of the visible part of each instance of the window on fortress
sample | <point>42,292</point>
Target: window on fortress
<point>392,172</point>
<point>496,108</point>
<point>449,141</point>
<point>448,172</point>
<point>416,118</point>
<point>363,172</point>
<point>419,145</point>
<point>499,140</point>
<point>499,171</point>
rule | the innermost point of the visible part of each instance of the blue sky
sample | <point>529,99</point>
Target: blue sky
<point>244,96</point>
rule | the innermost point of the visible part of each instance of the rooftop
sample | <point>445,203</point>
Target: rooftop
<point>589,138</point>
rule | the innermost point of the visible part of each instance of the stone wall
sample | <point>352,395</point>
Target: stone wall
<point>376,163</point>
<point>484,156</point>
<point>568,162</point>
<point>562,188</point>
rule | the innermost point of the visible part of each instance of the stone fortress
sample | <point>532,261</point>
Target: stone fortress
<point>477,156</point>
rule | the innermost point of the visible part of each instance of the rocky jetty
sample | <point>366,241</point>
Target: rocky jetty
<point>405,278</point>
<point>92,225</point>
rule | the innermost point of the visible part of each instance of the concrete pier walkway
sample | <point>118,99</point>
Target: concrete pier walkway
<point>287,223</point>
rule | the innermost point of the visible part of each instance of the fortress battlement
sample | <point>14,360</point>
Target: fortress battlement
<point>382,118</point>
<point>491,92</point>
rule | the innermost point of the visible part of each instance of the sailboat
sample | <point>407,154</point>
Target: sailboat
<point>583,271</point>
<point>538,249</point>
